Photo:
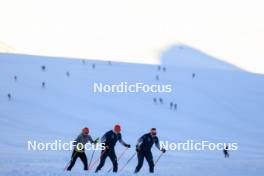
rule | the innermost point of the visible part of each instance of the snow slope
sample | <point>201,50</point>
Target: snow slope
<point>222,104</point>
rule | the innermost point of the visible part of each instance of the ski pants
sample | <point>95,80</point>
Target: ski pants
<point>148,155</point>
<point>111,154</point>
<point>74,157</point>
<point>226,154</point>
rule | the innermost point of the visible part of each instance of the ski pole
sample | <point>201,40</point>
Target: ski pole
<point>92,165</point>
<point>118,158</point>
<point>158,158</point>
<point>128,161</point>
<point>91,159</point>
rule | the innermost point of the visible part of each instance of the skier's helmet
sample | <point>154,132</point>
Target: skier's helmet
<point>153,131</point>
<point>85,131</point>
<point>117,128</point>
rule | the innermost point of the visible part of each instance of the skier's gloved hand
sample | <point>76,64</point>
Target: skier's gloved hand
<point>163,150</point>
<point>128,145</point>
<point>96,141</point>
<point>79,147</point>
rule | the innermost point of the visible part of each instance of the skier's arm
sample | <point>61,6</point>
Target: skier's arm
<point>123,142</point>
<point>93,141</point>
<point>140,141</point>
<point>103,139</point>
<point>157,144</point>
<point>90,139</point>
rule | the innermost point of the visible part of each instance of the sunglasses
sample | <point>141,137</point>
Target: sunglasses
<point>153,133</point>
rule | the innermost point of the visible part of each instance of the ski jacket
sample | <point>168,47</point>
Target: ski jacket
<point>83,139</point>
<point>110,138</point>
<point>146,142</point>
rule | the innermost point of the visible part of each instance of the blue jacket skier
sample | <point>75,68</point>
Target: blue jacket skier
<point>110,139</point>
<point>143,149</point>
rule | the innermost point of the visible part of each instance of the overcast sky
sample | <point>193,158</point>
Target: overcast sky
<point>136,30</point>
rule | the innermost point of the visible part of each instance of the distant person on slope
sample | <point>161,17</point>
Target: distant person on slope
<point>225,151</point>
<point>143,149</point>
<point>193,75</point>
<point>79,151</point>
<point>109,139</point>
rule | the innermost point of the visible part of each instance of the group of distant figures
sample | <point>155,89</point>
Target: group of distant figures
<point>155,100</point>
<point>173,106</point>
<point>43,83</point>
<point>160,69</point>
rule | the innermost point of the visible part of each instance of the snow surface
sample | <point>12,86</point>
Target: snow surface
<point>222,104</point>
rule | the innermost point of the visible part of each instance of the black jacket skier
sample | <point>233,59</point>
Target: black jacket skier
<point>143,149</point>
<point>110,139</point>
<point>78,151</point>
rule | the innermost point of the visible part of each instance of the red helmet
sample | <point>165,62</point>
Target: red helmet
<point>117,128</point>
<point>85,131</point>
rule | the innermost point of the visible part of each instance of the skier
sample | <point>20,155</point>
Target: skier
<point>175,106</point>
<point>9,96</point>
<point>79,151</point>
<point>68,74</point>
<point>155,100</point>
<point>109,139</point>
<point>193,75</point>
<point>43,67</point>
<point>143,149</point>
<point>157,77</point>
<point>161,100</point>
<point>43,84</point>
<point>225,151</point>
<point>171,105</point>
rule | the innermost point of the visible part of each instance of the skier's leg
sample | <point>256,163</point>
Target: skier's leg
<point>113,158</point>
<point>74,157</point>
<point>140,156</point>
<point>84,160</point>
<point>226,153</point>
<point>102,160</point>
<point>149,158</point>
